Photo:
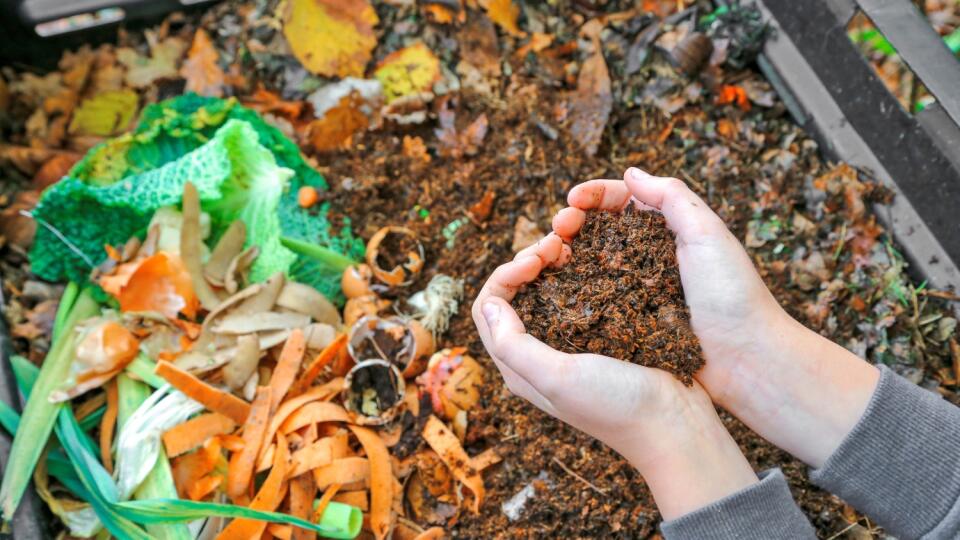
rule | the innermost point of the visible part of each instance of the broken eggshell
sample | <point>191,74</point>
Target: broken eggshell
<point>395,256</point>
<point>372,392</point>
<point>361,306</point>
<point>403,344</point>
<point>355,281</point>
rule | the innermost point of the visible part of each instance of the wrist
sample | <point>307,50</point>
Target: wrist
<point>692,462</point>
<point>800,391</point>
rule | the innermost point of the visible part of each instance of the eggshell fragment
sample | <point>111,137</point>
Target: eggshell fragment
<point>403,273</point>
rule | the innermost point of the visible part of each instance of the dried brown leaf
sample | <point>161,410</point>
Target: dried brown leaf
<point>201,68</point>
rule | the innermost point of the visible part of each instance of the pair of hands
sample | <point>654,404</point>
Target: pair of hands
<point>761,365</point>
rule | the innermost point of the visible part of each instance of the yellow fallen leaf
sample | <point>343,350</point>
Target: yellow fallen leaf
<point>505,13</point>
<point>200,69</point>
<point>104,114</point>
<point>409,71</point>
<point>333,38</point>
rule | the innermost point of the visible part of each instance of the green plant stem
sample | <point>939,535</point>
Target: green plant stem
<point>142,368</point>
<point>39,415</point>
<point>327,256</point>
<point>67,299</point>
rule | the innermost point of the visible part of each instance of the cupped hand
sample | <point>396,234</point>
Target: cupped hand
<point>727,299</point>
<point>670,432</point>
<point>795,388</point>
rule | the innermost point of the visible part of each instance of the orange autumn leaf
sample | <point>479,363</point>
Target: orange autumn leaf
<point>158,283</point>
<point>200,69</point>
<point>439,14</point>
<point>505,13</point>
<point>336,129</point>
<point>333,38</point>
<point>733,94</point>
<point>265,101</point>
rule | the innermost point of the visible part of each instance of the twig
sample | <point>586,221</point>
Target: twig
<point>578,477</point>
<point>70,245</point>
<point>845,529</point>
<point>946,295</point>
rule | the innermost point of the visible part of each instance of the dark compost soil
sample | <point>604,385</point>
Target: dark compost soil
<point>620,295</point>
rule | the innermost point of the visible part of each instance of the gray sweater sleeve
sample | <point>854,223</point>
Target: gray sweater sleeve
<point>901,463</point>
<point>763,511</point>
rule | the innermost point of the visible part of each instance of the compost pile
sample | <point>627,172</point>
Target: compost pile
<point>462,123</point>
<point>620,295</point>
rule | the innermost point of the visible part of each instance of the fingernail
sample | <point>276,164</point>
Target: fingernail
<point>636,174</point>
<point>491,313</point>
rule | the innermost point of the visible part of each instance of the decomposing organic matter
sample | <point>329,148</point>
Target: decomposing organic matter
<point>620,296</point>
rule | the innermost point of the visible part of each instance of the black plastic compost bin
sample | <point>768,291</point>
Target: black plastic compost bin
<point>36,31</point>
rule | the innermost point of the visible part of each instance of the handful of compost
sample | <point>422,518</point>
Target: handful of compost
<point>620,295</point>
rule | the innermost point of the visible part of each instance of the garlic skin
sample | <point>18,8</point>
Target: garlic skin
<point>438,303</point>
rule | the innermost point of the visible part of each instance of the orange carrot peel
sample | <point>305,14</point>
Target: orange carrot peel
<point>448,447</point>
<point>212,398</point>
<point>382,481</point>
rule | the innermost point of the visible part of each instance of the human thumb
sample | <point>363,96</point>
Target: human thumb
<point>491,314</point>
